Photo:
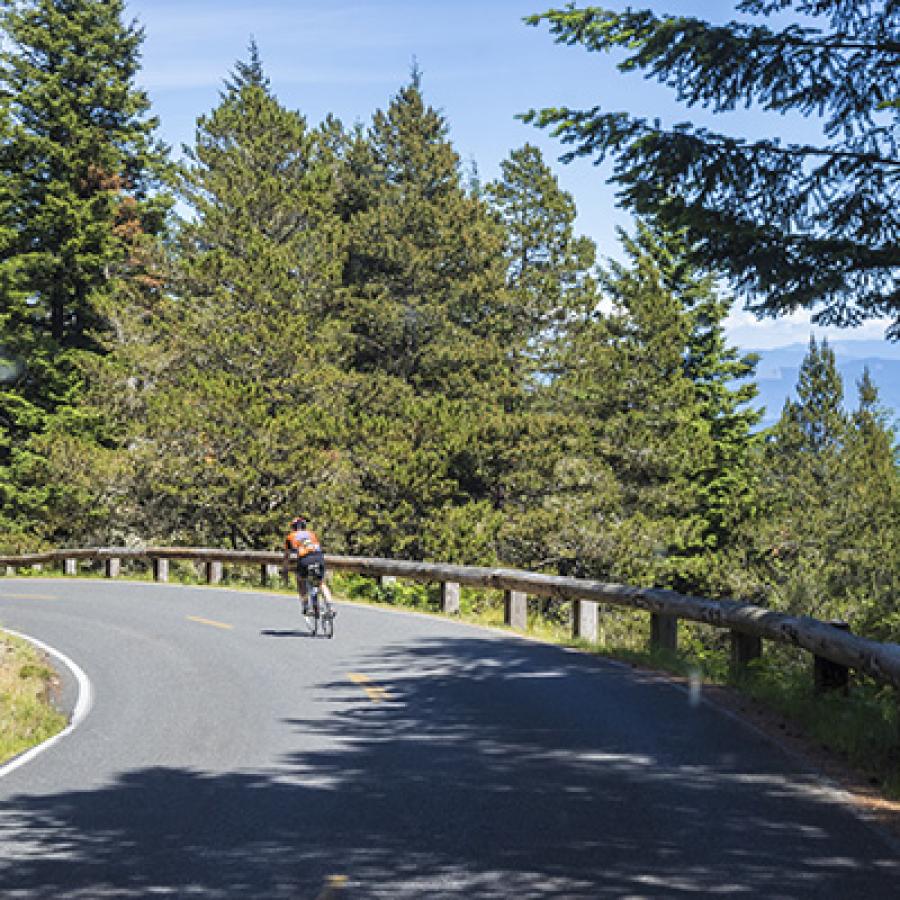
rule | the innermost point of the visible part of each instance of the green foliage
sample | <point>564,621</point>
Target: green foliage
<point>659,473</point>
<point>434,341</point>
<point>549,267</point>
<point>795,225</point>
<point>78,205</point>
<point>551,284</point>
<point>861,727</point>
<point>241,416</point>
<point>395,593</point>
<point>826,540</point>
<point>79,157</point>
<point>424,269</point>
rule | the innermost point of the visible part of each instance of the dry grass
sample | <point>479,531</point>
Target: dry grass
<point>27,715</point>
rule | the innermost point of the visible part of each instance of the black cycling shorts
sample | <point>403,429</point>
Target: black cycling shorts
<point>305,563</point>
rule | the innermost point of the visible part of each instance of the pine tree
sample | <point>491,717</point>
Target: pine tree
<point>795,225</point>
<point>80,155</point>
<point>725,481</point>
<point>80,171</point>
<point>242,421</point>
<point>802,479</point>
<point>657,474</point>
<point>431,324</point>
<point>425,264</point>
<point>548,265</point>
<point>624,379</point>
<point>812,429</point>
<point>866,570</point>
<point>550,283</point>
<point>826,540</point>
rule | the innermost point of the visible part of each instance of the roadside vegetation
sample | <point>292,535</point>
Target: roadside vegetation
<point>348,322</point>
<point>27,715</point>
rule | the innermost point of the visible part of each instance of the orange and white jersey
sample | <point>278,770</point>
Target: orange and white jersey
<point>302,542</point>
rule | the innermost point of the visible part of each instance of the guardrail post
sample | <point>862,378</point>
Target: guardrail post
<point>160,569</point>
<point>744,649</point>
<point>70,567</point>
<point>450,598</point>
<point>515,609</point>
<point>828,675</point>
<point>663,632</point>
<point>213,572</point>
<point>112,566</point>
<point>584,620</point>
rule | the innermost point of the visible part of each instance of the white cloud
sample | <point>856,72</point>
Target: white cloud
<point>745,330</point>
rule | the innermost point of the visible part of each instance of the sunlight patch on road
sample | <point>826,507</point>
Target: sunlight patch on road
<point>29,597</point>
<point>375,693</point>
<point>212,622</point>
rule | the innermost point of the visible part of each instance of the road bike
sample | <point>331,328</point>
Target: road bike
<point>319,613</point>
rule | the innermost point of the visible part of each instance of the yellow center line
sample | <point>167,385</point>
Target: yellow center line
<point>375,693</point>
<point>211,622</point>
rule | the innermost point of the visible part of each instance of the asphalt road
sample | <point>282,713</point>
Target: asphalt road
<point>226,754</point>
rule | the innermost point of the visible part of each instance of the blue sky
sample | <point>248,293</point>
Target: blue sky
<point>481,67</point>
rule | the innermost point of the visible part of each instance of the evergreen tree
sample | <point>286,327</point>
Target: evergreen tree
<point>624,378</point>
<point>812,429</point>
<point>722,381</point>
<point>795,225</point>
<point>548,265</point>
<point>550,282</point>
<point>80,171</point>
<point>659,476</point>
<point>431,324</point>
<point>804,475</point>
<point>80,156</point>
<point>870,574</point>
<point>804,448</point>
<point>424,268</point>
<point>241,421</point>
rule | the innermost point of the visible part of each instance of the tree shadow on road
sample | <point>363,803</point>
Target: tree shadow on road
<point>471,767</point>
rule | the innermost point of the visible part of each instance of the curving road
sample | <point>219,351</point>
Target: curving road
<point>228,755</point>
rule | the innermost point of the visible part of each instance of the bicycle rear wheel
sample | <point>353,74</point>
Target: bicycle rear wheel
<point>312,617</point>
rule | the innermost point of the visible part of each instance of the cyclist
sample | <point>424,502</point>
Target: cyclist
<point>303,542</point>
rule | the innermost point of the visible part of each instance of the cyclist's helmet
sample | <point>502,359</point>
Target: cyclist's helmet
<point>298,522</point>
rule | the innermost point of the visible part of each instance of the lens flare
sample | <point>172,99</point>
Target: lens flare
<point>696,687</point>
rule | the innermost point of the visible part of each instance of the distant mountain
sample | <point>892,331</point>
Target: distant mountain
<point>778,369</point>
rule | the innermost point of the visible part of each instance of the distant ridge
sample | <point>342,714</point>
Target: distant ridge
<point>778,368</point>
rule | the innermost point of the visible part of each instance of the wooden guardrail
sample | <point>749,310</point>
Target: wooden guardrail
<point>835,649</point>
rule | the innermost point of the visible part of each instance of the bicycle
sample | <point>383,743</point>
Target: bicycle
<point>319,614</point>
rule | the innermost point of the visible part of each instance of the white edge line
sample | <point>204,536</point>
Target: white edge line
<point>82,705</point>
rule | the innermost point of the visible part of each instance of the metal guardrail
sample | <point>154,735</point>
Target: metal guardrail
<point>749,625</point>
